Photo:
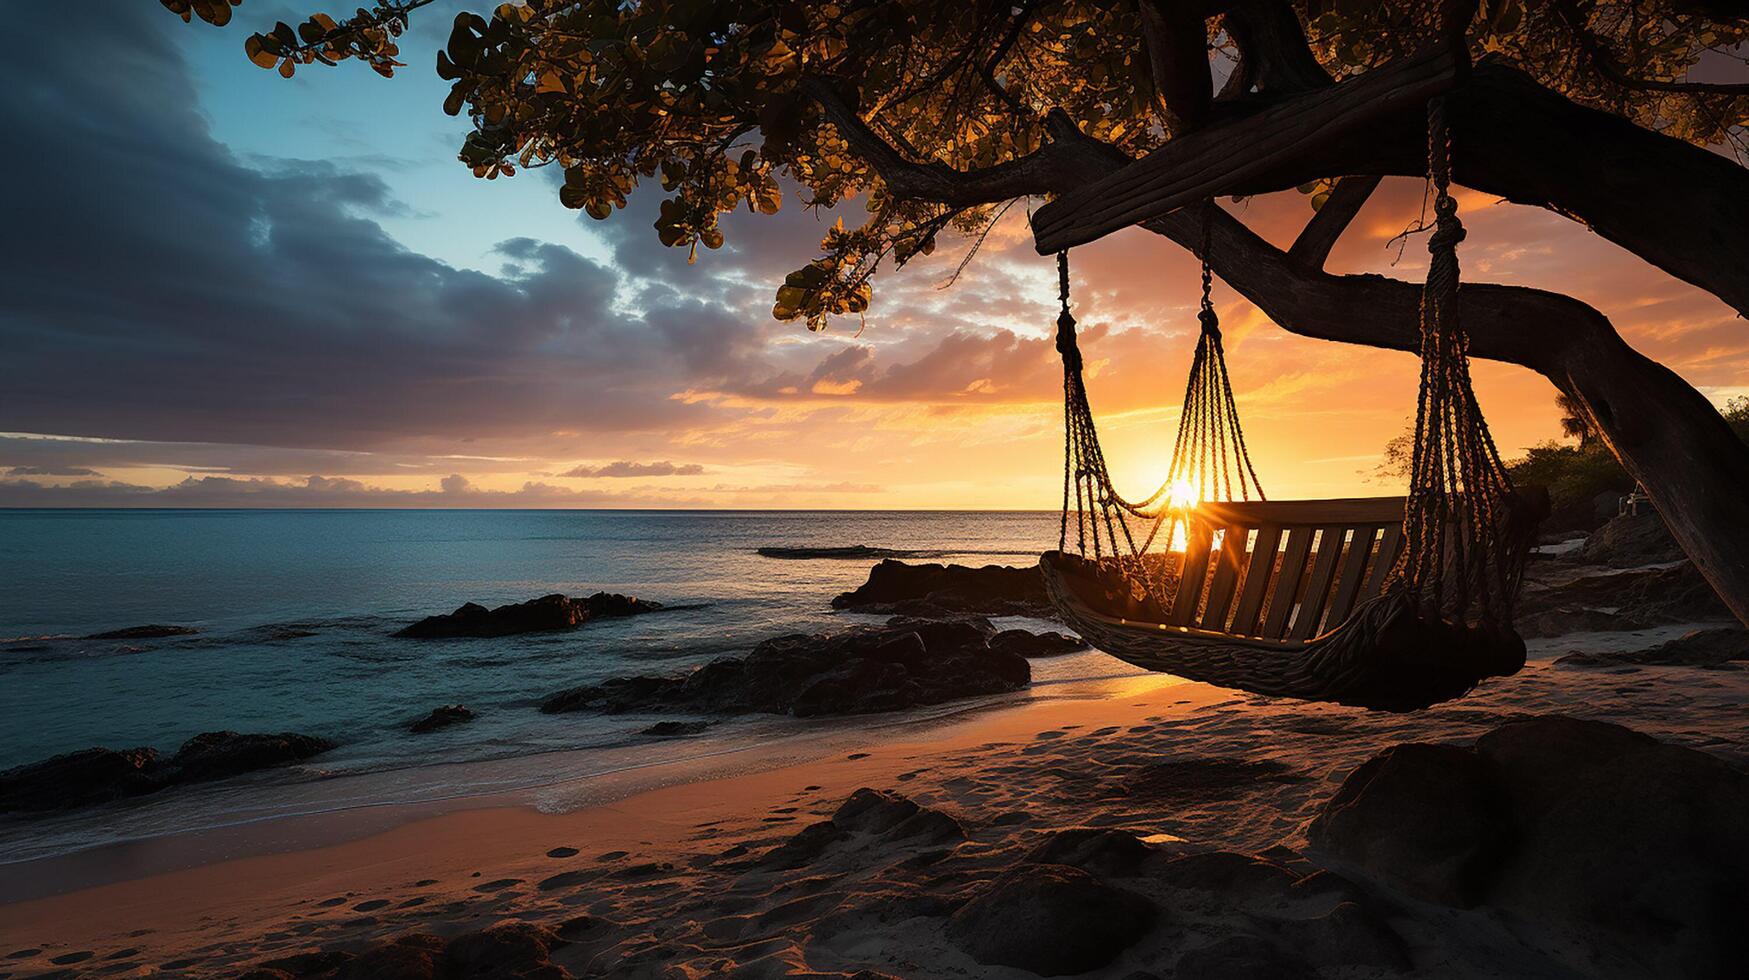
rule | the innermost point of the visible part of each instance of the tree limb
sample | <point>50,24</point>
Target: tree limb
<point>1176,39</point>
<point>1328,223</point>
<point>1274,57</point>
<point>1031,174</point>
<point>1604,61</point>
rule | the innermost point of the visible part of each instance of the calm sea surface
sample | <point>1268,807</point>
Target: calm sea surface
<point>295,611</point>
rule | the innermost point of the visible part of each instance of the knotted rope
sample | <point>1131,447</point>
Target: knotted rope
<point>1460,495</point>
<point>1209,455</point>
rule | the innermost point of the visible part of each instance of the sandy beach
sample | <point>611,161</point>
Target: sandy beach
<point>722,875</point>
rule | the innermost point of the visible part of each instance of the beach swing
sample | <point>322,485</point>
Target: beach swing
<point>1390,603</point>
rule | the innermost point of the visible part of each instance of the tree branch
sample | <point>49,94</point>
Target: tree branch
<point>1328,223</point>
<point>1176,39</point>
<point>1031,174</point>
<point>1274,57</point>
<point>1604,61</point>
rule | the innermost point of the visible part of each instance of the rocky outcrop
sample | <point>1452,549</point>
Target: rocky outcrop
<point>940,590</point>
<point>1621,601</point>
<point>856,671</point>
<point>1050,919</point>
<point>1036,645</point>
<point>546,614</point>
<point>1698,648</point>
<point>1627,541</point>
<point>442,717</point>
<point>1588,826</point>
<point>99,775</point>
<point>150,631</point>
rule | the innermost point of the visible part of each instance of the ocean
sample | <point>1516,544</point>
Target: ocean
<point>295,611</point>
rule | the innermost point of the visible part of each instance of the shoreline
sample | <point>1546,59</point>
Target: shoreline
<point>1250,774</point>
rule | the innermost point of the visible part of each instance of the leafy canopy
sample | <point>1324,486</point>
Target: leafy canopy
<point>710,99</point>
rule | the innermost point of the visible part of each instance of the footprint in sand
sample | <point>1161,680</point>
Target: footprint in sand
<point>330,903</point>
<point>66,958</point>
<point>19,954</point>
<point>423,882</point>
<point>372,905</point>
<point>498,884</point>
<point>122,954</point>
<point>1050,734</point>
<point>563,879</point>
<point>612,856</point>
<point>562,852</point>
<point>856,755</point>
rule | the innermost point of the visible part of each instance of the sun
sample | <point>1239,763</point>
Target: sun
<point>1182,495</point>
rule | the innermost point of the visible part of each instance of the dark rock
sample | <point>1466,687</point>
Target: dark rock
<point>1052,920</point>
<point>873,811</point>
<point>856,551</point>
<point>79,779</point>
<point>993,590</point>
<point>309,964</point>
<point>1621,601</point>
<point>928,826</point>
<point>1630,540</point>
<point>507,950</point>
<point>1243,956</point>
<point>412,957</point>
<point>148,632</point>
<point>1349,935</point>
<point>548,613</point>
<point>1699,648</point>
<point>1100,850</point>
<point>1427,819</point>
<point>806,846</point>
<point>442,717</point>
<point>856,671</point>
<point>1237,877</point>
<point>217,755</point>
<point>1031,645</point>
<point>1579,824</point>
<point>675,729</point>
<point>1640,840</point>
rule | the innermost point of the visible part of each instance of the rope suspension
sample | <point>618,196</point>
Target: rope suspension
<point>1209,456</point>
<point>1460,495</point>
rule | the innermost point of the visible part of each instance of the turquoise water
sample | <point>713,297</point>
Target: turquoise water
<point>295,609</point>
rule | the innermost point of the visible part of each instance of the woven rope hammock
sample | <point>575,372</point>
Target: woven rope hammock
<point>1388,603</point>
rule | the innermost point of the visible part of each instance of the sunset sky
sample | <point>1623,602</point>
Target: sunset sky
<point>227,289</point>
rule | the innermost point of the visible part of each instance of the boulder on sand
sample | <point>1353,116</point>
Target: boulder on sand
<point>934,589</point>
<point>1621,601</point>
<point>99,775</point>
<point>861,670</point>
<point>1036,645</point>
<point>1051,919</point>
<point>1629,540</point>
<point>546,614</point>
<point>1588,826</point>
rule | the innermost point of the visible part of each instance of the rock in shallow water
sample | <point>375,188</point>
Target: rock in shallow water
<point>1586,825</point>
<point>442,717</point>
<point>934,589</point>
<point>99,775</point>
<point>1050,919</point>
<point>856,671</point>
<point>546,614</point>
<point>147,632</point>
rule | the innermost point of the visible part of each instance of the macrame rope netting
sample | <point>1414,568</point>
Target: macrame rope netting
<point>1209,456</point>
<point>1457,561</point>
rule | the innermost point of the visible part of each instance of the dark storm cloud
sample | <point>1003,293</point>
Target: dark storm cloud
<point>49,471</point>
<point>157,288</point>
